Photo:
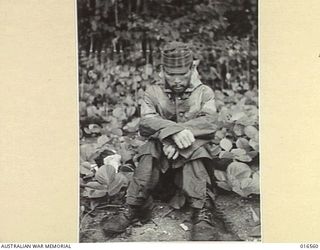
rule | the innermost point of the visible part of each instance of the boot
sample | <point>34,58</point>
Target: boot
<point>204,228</point>
<point>120,222</point>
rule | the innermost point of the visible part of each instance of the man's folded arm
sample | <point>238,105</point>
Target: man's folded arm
<point>205,124</point>
<point>153,125</point>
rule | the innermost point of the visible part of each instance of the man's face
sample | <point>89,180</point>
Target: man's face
<point>178,82</point>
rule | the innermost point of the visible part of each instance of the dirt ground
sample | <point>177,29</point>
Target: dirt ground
<point>240,217</point>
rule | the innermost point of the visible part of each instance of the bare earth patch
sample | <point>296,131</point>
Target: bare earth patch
<point>238,214</point>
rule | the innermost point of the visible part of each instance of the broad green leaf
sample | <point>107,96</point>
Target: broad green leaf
<point>144,76</point>
<point>251,131</point>
<point>253,154</point>
<point>254,144</point>
<point>239,191</point>
<point>129,101</point>
<point>255,185</point>
<point>105,175</point>
<point>91,111</point>
<point>113,160</point>
<point>238,151</point>
<point>136,143</point>
<point>245,182</point>
<point>238,170</point>
<point>126,154</point>
<point>238,129</point>
<point>117,184</point>
<point>84,169</point>
<point>103,140</point>
<point>220,134</point>
<point>226,144</point>
<point>95,185</point>
<point>86,165</point>
<point>130,111</point>
<point>94,193</point>
<point>119,113</point>
<point>124,74</point>
<point>132,69</point>
<point>246,121</point>
<point>94,128</point>
<point>220,175</point>
<point>251,190</point>
<point>243,144</point>
<point>228,91</point>
<point>224,185</point>
<point>117,131</point>
<point>226,155</point>
<point>237,116</point>
<point>132,126</point>
<point>243,158</point>
<point>88,152</point>
<point>224,116</point>
<point>215,150</point>
<point>82,108</point>
<point>140,93</point>
<point>137,78</point>
<point>256,175</point>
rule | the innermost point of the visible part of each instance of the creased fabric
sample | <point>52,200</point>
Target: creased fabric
<point>163,113</point>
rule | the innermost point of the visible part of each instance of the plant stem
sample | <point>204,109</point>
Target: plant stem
<point>116,13</point>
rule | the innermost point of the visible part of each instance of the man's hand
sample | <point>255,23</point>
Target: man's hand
<point>183,139</point>
<point>170,151</point>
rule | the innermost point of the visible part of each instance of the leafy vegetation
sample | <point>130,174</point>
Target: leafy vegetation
<point>119,55</point>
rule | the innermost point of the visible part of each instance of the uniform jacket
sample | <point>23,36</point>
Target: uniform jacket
<point>163,113</point>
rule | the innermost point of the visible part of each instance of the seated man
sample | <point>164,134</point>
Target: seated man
<point>177,116</point>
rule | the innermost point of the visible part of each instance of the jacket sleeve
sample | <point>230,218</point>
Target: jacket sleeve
<point>152,124</point>
<point>204,125</point>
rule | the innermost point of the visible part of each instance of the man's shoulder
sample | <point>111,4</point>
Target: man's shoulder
<point>204,89</point>
<point>155,88</point>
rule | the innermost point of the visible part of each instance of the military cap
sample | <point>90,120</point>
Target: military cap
<point>176,57</point>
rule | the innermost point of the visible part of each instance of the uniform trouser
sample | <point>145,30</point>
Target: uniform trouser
<point>194,182</point>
